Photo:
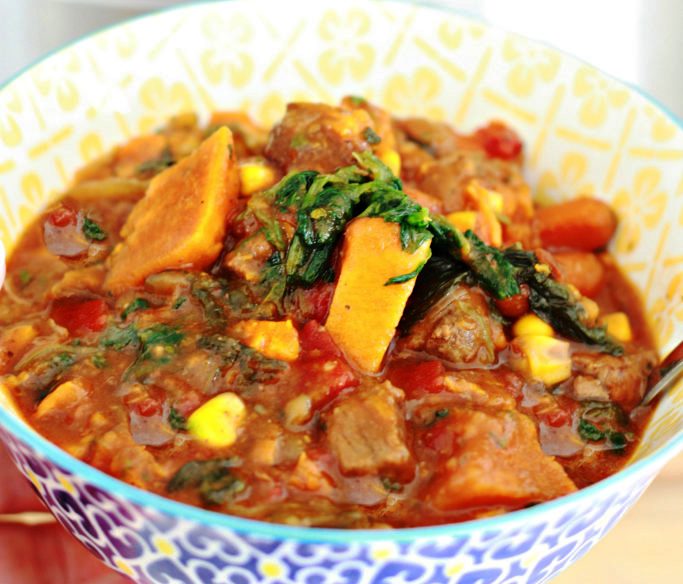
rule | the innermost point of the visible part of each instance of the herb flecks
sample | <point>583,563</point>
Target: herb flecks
<point>213,479</point>
<point>134,306</point>
<point>92,230</point>
<point>176,420</point>
<point>371,137</point>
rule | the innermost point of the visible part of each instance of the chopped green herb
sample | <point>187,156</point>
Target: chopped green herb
<point>391,486</point>
<point>618,440</point>
<point>117,338</point>
<point>298,141</point>
<point>371,136</point>
<point>135,305</point>
<point>156,165</point>
<point>206,290</point>
<point>159,342</point>
<point>213,479</point>
<point>99,361</point>
<point>357,101</point>
<point>25,278</point>
<point>176,420</point>
<point>589,432</point>
<point>92,230</point>
<point>179,302</point>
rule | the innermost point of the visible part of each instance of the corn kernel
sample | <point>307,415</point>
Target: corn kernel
<point>393,160</point>
<point>298,410</point>
<point>530,324</point>
<point>485,197</point>
<point>618,326</point>
<point>544,358</point>
<point>274,339</point>
<point>256,176</point>
<point>592,309</point>
<point>217,421</point>
<point>463,220</point>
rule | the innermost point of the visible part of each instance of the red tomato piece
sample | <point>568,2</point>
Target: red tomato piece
<point>553,416</point>
<point>314,303</point>
<point>417,376</point>
<point>499,141</point>
<point>80,316</point>
<point>63,216</point>
<point>314,337</point>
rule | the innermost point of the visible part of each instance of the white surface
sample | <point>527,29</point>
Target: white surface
<point>639,41</point>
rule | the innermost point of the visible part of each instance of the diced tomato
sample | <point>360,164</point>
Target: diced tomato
<point>80,316</point>
<point>314,337</point>
<point>314,303</point>
<point>440,437</point>
<point>63,216</point>
<point>499,141</point>
<point>417,376</point>
<point>553,416</point>
<point>151,404</point>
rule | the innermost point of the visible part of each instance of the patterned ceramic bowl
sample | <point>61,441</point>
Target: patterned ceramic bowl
<point>585,133</point>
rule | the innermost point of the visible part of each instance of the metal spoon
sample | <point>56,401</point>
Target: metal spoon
<point>669,372</point>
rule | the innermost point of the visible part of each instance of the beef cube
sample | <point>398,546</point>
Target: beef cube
<point>624,378</point>
<point>458,328</point>
<point>366,432</point>
<point>314,136</point>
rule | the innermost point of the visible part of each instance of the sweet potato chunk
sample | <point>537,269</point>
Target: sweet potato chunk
<point>366,432</point>
<point>181,221</point>
<point>493,459</point>
<point>365,310</point>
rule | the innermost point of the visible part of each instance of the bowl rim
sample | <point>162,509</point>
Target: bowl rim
<point>117,488</point>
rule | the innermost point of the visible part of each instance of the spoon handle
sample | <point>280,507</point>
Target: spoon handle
<point>669,371</point>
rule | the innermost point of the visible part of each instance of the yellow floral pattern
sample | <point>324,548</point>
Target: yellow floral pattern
<point>571,180</point>
<point>348,52</point>
<point>598,95</point>
<point>162,101</point>
<point>529,66</point>
<point>82,101</point>
<point>414,95</point>
<point>226,61</point>
<point>640,208</point>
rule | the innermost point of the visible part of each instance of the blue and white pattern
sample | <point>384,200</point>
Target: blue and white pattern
<point>151,545</point>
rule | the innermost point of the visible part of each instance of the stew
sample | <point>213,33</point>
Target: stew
<point>349,320</point>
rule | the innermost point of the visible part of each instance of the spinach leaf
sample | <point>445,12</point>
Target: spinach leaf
<point>92,230</point>
<point>213,479</point>
<point>207,290</point>
<point>176,420</point>
<point>159,342</point>
<point>118,338</point>
<point>406,277</point>
<point>156,165</point>
<point>371,136</point>
<point>555,303</point>
<point>135,305</point>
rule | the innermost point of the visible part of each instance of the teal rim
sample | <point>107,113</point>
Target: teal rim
<point>213,519</point>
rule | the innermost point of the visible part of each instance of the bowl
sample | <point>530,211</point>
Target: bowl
<point>585,132</point>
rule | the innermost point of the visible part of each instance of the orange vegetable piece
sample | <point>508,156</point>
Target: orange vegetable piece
<point>584,224</point>
<point>274,339</point>
<point>365,311</point>
<point>137,151</point>
<point>181,221</point>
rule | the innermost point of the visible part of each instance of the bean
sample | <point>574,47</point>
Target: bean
<point>583,270</point>
<point>582,224</point>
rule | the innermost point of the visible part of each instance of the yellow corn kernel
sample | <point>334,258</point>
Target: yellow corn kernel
<point>485,197</point>
<point>530,324</point>
<point>274,339</point>
<point>256,176</point>
<point>217,421</point>
<point>618,326</point>
<point>544,358</point>
<point>592,309</point>
<point>463,220</point>
<point>393,160</point>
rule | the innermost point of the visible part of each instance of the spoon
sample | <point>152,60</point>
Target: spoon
<point>669,371</point>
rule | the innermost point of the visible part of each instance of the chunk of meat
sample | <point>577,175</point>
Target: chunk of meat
<point>366,432</point>
<point>249,257</point>
<point>624,378</point>
<point>437,138</point>
<point>458,328</point>
<point>314,136</point>
<point>491,458</point>
<point>447,178</point>
<point>181,221</point>
<point>365,311</point>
